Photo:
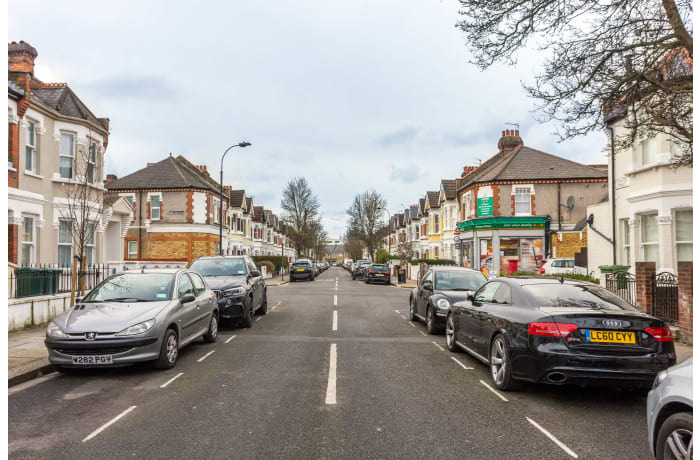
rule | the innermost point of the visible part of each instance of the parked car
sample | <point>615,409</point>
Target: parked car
<point>317,271</point>
<point>670,413</point>
<point>378,273</point>
<point>557,266</point>
<point>438,289</point>
<point>557,331</point>
<point>360,268</point>
<point>301,270</point>
<point>131,317</point>
<point>238,284</point>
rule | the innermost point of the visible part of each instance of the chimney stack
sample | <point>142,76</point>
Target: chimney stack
<point>227,188</point>
<point>509,141</point>
<point>110,178</point>
<point>20,57</point>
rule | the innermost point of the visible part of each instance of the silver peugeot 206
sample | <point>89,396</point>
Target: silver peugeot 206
<point>134,316</point>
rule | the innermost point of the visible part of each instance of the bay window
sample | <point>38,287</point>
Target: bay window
<point>28,242</point>
<point>650,238</point>
<point>648,151</point>
<point>65,243</point>
<point>91,161</point>
<point>30,148</point>
<point>626,259</point>
<point>90,245</point>
<point>684,235</point>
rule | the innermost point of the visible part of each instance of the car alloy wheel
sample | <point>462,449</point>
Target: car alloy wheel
<point>450,333</point>
<point>679,445</point>
<point>430,320</point>
<point>171,348</point>
<point>498,361</point>
<point>411,310</point>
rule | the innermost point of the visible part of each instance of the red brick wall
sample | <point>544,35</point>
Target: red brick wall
<point>645,272</point>
<point>12,239</point>
<point>685,300</point>
<point>13,151</point>
<point>496,200</point>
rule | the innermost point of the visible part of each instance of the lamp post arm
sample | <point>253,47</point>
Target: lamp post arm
<point>221,201</point>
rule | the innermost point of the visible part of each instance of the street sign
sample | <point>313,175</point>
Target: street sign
<point>456,238</point>
<point>458,246</point>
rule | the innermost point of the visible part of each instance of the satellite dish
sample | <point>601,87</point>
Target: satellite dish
<point>570,203</point>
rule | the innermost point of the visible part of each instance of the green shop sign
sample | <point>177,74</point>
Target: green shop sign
<point>484,206</point>
<point>490,223</point>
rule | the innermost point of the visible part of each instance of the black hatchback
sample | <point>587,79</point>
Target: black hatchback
<point>377,273</point>
<point>558,331</point>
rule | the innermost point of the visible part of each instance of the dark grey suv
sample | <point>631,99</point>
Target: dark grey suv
<point>238,285</point>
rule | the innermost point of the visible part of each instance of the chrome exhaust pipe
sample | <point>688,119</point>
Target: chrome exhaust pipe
<point>556,377</point>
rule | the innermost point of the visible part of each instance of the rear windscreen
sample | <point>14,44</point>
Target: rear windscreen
<point>576,296</point>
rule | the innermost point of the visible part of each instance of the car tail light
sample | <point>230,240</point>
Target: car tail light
<point>551,329</point>
<point>542,270</point>
<point>661,334</point>
<point>371,271</point>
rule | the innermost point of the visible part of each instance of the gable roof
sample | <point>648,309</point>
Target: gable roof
<point>60,98</point>
<point>449,187</point>
<point>433,199</point>
<point>526,163</point>
<point>167,173</point>
<point>236,198</point>
<point>258,212</point>
<point>414,212</point>
<point>421,205</point>
<point>249,204</point>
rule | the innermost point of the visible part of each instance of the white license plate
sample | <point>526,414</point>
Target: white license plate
<point>96,359</point>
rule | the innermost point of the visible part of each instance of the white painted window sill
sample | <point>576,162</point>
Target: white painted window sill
<point>10,168</point>
<point>641,168</point>
<point>32,174</point>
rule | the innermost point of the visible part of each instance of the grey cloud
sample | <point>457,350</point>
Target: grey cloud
<point>400,136</point>
<point>408,174</point>
<point>135,87</point>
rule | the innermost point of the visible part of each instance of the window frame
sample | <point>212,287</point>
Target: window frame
<point>518,192</point>
<point>651,151</point>
<point>62,155</point>
<point>648,244</point>
<point>90,244</point>
<point>31,244</point>
<point>128,250</point>
<point>436,223</point>
<point>32,157</point>
<point>626,241</point>
<point>69,245</point>
<point>676,242</point>
<point>91,159</point>
<point>183,276</point>
<point>159,207</point>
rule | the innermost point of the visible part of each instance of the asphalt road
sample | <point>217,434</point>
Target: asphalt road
<point>270,392</point>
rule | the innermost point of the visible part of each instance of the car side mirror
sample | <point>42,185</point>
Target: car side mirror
<point>78,300</point>
<point>470,297</point>
<point>428,286</point>
<point>254,273</point>
<point>187,298</point>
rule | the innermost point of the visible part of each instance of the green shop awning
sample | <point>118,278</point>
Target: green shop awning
<point>491,223</point>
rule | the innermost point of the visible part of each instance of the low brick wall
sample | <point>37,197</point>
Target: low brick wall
<point>35,311</point>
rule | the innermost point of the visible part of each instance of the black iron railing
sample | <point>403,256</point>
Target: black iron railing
<point>49,279</point>
<point>664,302</point>
<point>623,284</point>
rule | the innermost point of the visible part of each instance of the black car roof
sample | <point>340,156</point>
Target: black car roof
<point>528,280</point>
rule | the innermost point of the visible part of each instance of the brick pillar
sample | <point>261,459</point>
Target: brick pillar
<point>12,241</point>
<point>644,272</point>
<point>685,300</point>
<point>13,152</point>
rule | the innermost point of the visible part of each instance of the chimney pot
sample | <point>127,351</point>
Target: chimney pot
<point>503,133</point>
<point>517,132</point>
<point>21,56</point>
<point>149,164</point>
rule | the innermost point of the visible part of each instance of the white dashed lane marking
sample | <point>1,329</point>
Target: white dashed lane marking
<point>436,344</point>
<point>103,427</point>
<point>462,364</point>
<point>330,390</point>
<point>555,440</point>
<point>230,338</point>
<point>205,356</point>
<point>493,390</point>
<point>171,380</point>
<point>411,324</point>
<point>423,333</point>
<point>335,320</point>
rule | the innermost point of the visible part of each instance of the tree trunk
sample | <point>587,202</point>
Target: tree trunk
<point>82,277</point>
<point>72,283</point>
<point>674,18</point>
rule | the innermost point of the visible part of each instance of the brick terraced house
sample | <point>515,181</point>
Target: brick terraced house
<point>176,211</point>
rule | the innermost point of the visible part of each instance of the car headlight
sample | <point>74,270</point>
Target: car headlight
<point>138,328</point>
<point>659,378</point>
<point>443,303</point>
<point>235,291</point>
<point>56,332</point>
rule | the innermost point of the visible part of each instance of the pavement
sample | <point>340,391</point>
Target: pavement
<point>334,370</point>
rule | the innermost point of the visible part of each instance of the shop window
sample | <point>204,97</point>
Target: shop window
<point>485,256</point>
<point>650,238</point>
<point>684,236</point>
<point>522,201</point>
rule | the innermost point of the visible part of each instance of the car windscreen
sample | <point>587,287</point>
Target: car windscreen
<point>133,287</point>
<point>301,265</point>
<point>576,296</point>
<point>459,281</point>
<point>219,267</point>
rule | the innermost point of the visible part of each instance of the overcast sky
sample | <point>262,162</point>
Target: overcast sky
<point>351,95</point>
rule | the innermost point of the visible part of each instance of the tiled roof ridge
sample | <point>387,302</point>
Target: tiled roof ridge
<point>39,84</point>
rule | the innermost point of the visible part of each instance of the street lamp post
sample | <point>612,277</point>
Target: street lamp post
<point>221,201</point>
<point>389,231</point>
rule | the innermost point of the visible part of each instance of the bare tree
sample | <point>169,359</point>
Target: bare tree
<point>404,251</point>
<point>600,56</point>
<point>84,205</point>
<point>353,248</point>
<point>300,208</point>
<point>318,238</point>
<point>366,224</point>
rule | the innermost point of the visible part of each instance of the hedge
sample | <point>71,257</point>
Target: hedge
<point>277,261</point>
<point>433,261</point>
<point>568,276</point>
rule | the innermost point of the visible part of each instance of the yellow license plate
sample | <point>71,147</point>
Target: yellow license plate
<point>380,274</point>
<point>611,336</point>
<point>300,269</point>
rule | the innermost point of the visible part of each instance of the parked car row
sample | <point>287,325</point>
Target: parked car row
<point>149,315</point>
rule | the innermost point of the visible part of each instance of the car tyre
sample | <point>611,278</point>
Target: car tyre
<point>412,310</point>
<point>247,320</point>
<point>168,351</point>
<point>675,437</point>
<point>499,365</point>
<point>450,333</point>
<point>262,311</point>
<point>213,331</point>
<point>430,320</point>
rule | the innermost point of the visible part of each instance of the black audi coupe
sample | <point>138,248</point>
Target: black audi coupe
<point>559,331</point>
